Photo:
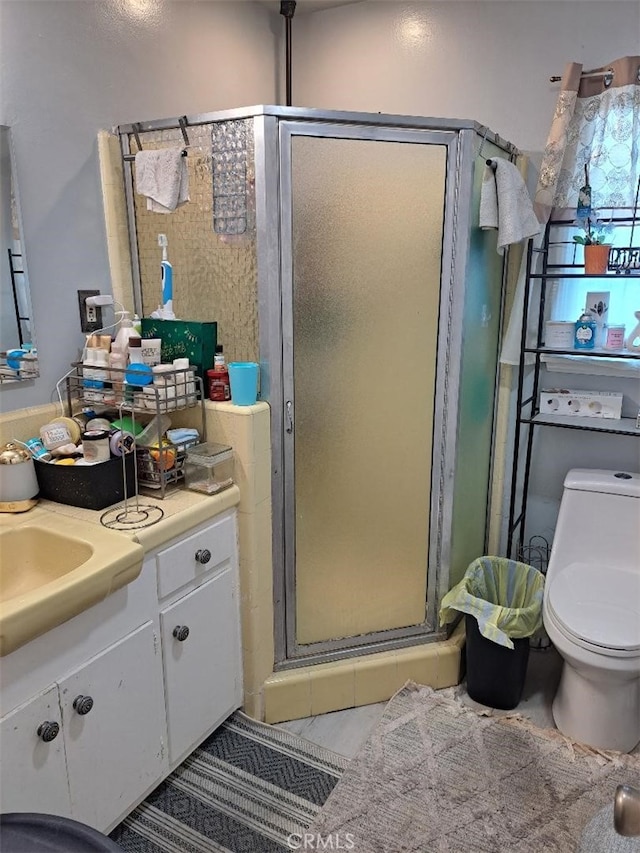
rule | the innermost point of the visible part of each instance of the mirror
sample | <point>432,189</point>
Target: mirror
<point>18,356</point>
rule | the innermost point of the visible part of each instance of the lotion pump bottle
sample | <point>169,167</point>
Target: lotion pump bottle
<point>120,349</point>
<point>126,331</point>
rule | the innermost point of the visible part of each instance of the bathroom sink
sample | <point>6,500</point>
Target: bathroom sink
<point>50,570</point>
<point>33,557</point>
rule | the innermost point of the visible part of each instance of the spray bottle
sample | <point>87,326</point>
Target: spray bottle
<point>167,280</point>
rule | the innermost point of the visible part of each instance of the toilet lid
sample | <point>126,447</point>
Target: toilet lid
<point>598,605</point>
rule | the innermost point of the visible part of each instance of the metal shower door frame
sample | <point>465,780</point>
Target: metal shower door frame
<point>288,651</point>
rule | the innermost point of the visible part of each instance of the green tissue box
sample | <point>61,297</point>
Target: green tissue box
<point>184,339</point>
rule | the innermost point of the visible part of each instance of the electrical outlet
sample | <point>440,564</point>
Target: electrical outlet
<point>90,315</point>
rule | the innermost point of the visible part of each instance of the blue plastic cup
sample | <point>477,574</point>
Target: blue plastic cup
<point>243,379</point>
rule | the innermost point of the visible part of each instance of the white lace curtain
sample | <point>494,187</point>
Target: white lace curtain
<point>596,123</point>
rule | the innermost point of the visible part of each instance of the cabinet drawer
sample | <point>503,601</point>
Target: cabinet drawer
<point>188,560</point>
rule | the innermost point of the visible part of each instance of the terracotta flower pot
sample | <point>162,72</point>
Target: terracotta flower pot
<point>596,258</point>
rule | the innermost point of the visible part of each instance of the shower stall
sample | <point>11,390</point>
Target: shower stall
<point>342,251</point>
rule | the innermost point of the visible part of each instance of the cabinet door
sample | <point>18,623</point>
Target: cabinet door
<point>115,749</point>
<point>33,771</point>
<point>202,669</point>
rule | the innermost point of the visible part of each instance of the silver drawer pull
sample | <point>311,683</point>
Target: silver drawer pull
<point>203,556</point>
<point>181,632</point>
<point>82,705</point>
<point>48,731</point>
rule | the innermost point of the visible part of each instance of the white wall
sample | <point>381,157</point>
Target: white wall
<point>72,67</point>
<point>483,60</point>
<point>487,60</point>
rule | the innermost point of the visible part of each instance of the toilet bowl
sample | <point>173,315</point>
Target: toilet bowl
<point>591,608</point>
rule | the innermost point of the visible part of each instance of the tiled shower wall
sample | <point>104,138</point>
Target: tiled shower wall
<point>214,275</point>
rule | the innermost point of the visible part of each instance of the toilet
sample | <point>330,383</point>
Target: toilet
<point>591,608</point>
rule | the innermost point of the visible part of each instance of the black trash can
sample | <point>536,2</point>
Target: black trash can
<point>502,602</point>
<point>495,674</point>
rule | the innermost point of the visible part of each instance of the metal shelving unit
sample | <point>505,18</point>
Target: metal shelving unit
<point>165,469</point>
<point>528,416</point>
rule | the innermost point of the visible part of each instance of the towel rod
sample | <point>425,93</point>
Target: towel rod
<point>182,121</point>
<point>136,130</point>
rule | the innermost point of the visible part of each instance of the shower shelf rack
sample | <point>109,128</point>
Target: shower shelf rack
<point>527,408</point>
<point>167,471</point>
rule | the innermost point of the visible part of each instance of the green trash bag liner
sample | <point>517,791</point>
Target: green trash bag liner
<point>504,595</point>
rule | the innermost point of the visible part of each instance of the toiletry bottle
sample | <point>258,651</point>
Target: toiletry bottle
<point>118,363</point>
<point>135,350</point>
<point>95,445</point>
<point>93,377</point>
<point>119,355</point>
<point>218,359</point>
<point>219,388</point>
<point>126,331</point>
<point>585,334</point>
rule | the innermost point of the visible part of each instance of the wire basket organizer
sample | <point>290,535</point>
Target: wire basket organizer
<point>163,466</point>
<point>159,463</point>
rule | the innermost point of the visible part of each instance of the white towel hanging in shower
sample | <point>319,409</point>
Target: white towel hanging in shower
<point>505,204</point>
<point>162,176</point>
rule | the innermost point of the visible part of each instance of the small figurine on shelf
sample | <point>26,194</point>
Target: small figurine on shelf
<point>633,341</point>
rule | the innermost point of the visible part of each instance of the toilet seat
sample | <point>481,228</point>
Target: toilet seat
<point>598,607</point>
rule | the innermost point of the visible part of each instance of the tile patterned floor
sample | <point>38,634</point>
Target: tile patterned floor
<point>345,731</point>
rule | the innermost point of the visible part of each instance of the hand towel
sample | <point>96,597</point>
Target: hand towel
<point>162,176</point>
<point>182,435</point>
<point>505,204</point>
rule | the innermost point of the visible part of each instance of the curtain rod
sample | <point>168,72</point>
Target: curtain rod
<point>607,73</point>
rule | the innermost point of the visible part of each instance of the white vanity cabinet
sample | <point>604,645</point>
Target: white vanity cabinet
<point>200,630</point>
<point>100,709</point>
<point>93,742</point>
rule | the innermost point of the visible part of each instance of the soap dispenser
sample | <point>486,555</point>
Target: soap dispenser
<point>119,355</point>
<point>126,331</point>
<point>585,332</point>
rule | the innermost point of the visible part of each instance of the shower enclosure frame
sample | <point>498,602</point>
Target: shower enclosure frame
<point>465,142</point>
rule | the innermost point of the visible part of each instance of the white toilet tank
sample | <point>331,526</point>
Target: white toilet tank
<point>599,520</point>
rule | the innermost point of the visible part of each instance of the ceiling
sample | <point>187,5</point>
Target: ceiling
<point>308,5</point>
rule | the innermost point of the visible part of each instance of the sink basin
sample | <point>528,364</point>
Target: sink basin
<point>32,557</point>
<point>52,568</point>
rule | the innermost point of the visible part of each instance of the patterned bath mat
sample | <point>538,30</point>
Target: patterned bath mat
<point>438,777</point>
<point>249,788</point>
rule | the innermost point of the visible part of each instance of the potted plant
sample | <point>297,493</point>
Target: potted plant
<point>594,240</point>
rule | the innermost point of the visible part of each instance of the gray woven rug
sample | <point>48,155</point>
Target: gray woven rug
<point>249,788</point>
<point>438,777</point>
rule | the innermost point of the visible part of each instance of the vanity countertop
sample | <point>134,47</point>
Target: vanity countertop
<point>181,510</point>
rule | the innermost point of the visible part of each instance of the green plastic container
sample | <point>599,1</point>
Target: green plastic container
<point>184,339</point>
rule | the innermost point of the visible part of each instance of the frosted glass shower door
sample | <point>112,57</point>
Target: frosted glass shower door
<point>360,328</point>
